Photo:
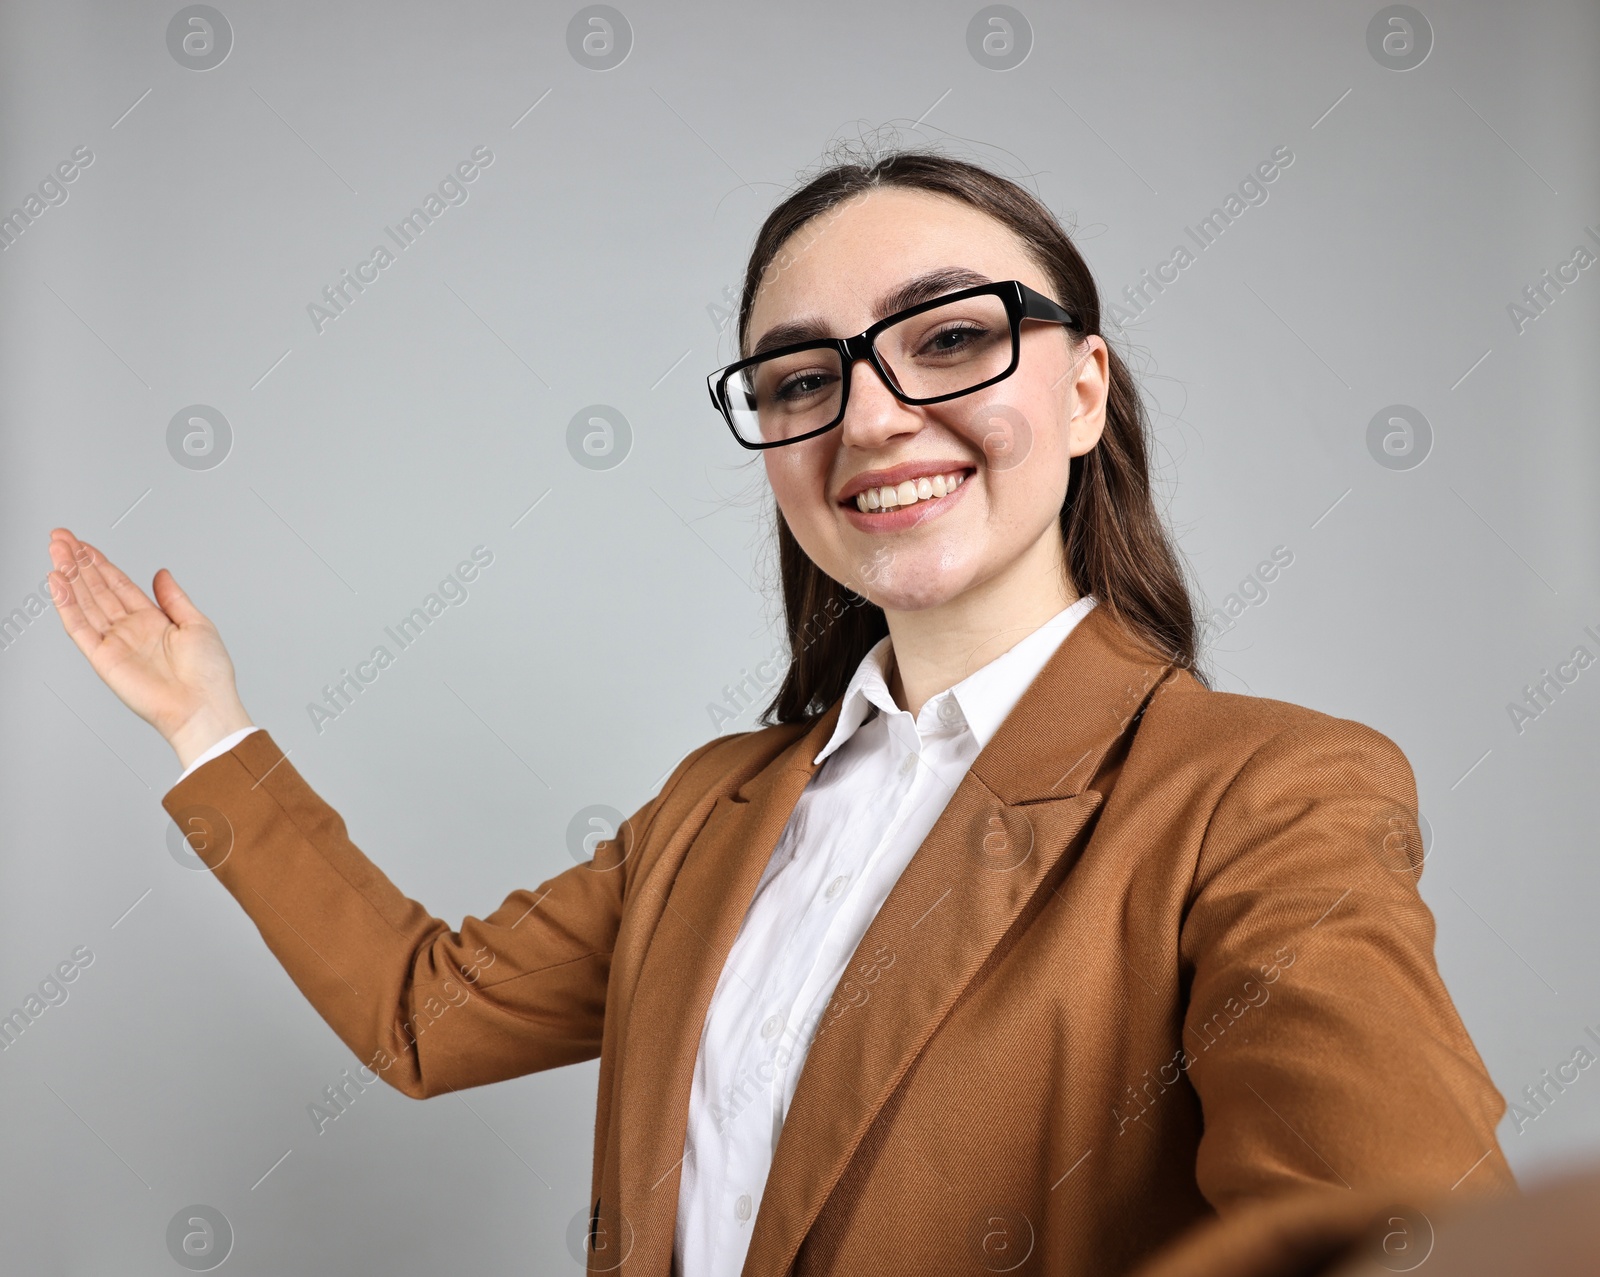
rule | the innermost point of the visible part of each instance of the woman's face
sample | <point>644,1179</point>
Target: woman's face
<point>1012,442</point>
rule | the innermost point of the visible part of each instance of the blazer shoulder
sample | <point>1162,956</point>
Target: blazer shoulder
<point>1235,726</point>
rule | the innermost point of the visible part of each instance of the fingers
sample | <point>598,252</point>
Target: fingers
<point>62,560</point>
<point>101,596</point>
<point>123,591</point>
<point>91,593</point>
<point>70,558</point>
<point>84,634</point>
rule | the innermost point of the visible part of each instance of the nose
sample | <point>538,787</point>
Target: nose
<point>872,415</point>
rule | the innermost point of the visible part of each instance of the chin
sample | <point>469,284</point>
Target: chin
<point>908,587</point>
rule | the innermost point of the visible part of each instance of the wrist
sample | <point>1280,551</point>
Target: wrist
<point>204,729</point>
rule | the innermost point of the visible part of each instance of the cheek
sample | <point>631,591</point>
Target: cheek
<point>1022,440</point>
<point>1028,486</point>
<point>797,482</point>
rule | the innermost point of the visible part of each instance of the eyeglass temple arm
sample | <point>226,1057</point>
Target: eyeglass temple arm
<point>1035,305</point>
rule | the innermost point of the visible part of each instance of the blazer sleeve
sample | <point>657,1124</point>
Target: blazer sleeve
<point>1336,1080</point>
<point>428,1008</point>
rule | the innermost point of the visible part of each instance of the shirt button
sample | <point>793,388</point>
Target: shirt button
<point>837,885</point>
<point>741,1208</point>
<point>770,1028</point>
<point>949,711</point>
<point>907,767</point>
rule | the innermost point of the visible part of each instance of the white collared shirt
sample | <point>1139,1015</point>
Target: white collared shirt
<point>884,780</point>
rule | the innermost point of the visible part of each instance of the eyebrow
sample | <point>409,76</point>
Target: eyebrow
<point>912,292</point>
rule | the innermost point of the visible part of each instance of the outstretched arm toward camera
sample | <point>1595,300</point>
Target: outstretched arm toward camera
<point>1338,1085</point>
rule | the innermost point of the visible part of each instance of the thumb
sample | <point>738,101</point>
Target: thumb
<point>174,602</point>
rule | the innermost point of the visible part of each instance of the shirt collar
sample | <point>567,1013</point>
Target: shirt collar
<point>985,696</point>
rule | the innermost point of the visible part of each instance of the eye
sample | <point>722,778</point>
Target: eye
<point>799,385</point>
<point>953,340</point>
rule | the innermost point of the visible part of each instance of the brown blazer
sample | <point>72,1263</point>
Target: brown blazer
<point>1160,976</point>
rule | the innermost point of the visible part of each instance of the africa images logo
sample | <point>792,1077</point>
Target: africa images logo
<point>338,296</point>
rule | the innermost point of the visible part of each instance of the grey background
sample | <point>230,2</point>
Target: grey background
<point>369,459</point>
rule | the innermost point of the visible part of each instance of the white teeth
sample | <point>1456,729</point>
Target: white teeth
<point>929,488</point>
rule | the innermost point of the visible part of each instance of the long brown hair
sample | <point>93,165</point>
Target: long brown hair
<point>1117,547</point>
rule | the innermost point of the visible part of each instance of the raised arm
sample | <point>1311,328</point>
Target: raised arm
<point>428,1008</point>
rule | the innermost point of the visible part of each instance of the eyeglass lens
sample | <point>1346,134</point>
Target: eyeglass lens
<point>941,351</point>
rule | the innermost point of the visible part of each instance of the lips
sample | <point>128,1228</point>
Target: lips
<point>894,476</point>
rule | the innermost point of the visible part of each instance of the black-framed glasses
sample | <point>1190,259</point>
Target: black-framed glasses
<point>938,350</point>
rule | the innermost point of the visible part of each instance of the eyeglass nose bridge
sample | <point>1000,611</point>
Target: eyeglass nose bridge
<point>853,349</point>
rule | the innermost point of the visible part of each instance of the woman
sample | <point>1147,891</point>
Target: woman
<point>1006,944</point>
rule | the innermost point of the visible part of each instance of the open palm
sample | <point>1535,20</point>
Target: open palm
<point>162,657</point>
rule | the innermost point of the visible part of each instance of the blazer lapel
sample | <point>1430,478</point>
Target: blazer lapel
<point>1011,826</point>
<point>709,897</point>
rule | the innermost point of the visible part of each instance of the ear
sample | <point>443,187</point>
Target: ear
<point>1088,387</point>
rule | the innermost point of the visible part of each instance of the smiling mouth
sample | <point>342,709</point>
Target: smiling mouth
<point>896,496</point>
